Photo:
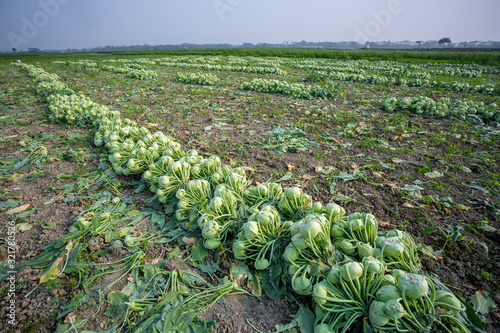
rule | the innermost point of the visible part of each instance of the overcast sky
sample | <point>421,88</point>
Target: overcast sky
<point>63,24</point>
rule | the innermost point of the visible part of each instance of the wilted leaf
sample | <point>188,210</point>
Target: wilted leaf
<point>413,190</point>
<point>387,165</point>
<point>328,170</point>
<point>191,278</point>
<point>462,207</point>
<point>27,213</point>
<point>306,177</point>
<point>70,318</point>
<point>249,169</point>
<point>379,175</point>
<point>333,188</point>
<point>133,213</point>
<point>23,227</point>
<point>116,304</point>
<point>240,274</point>
<point>52,271</point>
<point>290,166</point>
<point>483,303</point>
<point>209,268</point>
<point>189,241</point>
<point>158,219</point>
<point>471,312</point>
<point>434,174</point>
<point>349,176</point>
<point>285,177</point>
<point>278,328</point>
<point>48,202</point>
<point>408,205</point>
<point>393,186</point>
<point>428,251</point>
<point>465,169</point>
<point>383,223</point>
<point>438,253</point>
<point>432,209</point>
<point>172,253</point>
<point>245,278</point>
<point>7,161</point>
<point>429,229</point>
<point>19,209</point>
<point>484,245</point>
<point>341,198</point>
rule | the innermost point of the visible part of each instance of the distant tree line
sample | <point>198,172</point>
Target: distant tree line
<point>432,44</point>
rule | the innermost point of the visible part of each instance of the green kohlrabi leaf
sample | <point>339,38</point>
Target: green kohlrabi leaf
<point>191,279</point>
<point>10,203</point>
<point>272,281</point>
<point>305,318</point>
<point>198,252</point>
<point>483,303</point>
<point>117,306</point>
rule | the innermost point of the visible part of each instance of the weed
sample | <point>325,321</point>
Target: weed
<point>486,275</point>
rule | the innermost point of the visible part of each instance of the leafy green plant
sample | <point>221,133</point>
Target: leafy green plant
<point>202,79</point>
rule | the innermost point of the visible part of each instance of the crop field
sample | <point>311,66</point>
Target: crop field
<point>233,192</point>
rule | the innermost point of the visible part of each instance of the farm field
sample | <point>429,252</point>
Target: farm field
<point>237,193</point>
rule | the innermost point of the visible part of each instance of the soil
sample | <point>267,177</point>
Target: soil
<point>233,315</point>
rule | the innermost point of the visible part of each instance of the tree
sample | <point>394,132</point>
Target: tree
<point>443,41</point>
<point>419,42</point>
<point>14,50</point>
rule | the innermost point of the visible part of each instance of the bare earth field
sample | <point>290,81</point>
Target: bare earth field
<point>436,179</point>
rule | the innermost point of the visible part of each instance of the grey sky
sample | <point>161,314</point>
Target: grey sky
<point>62,24</point>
